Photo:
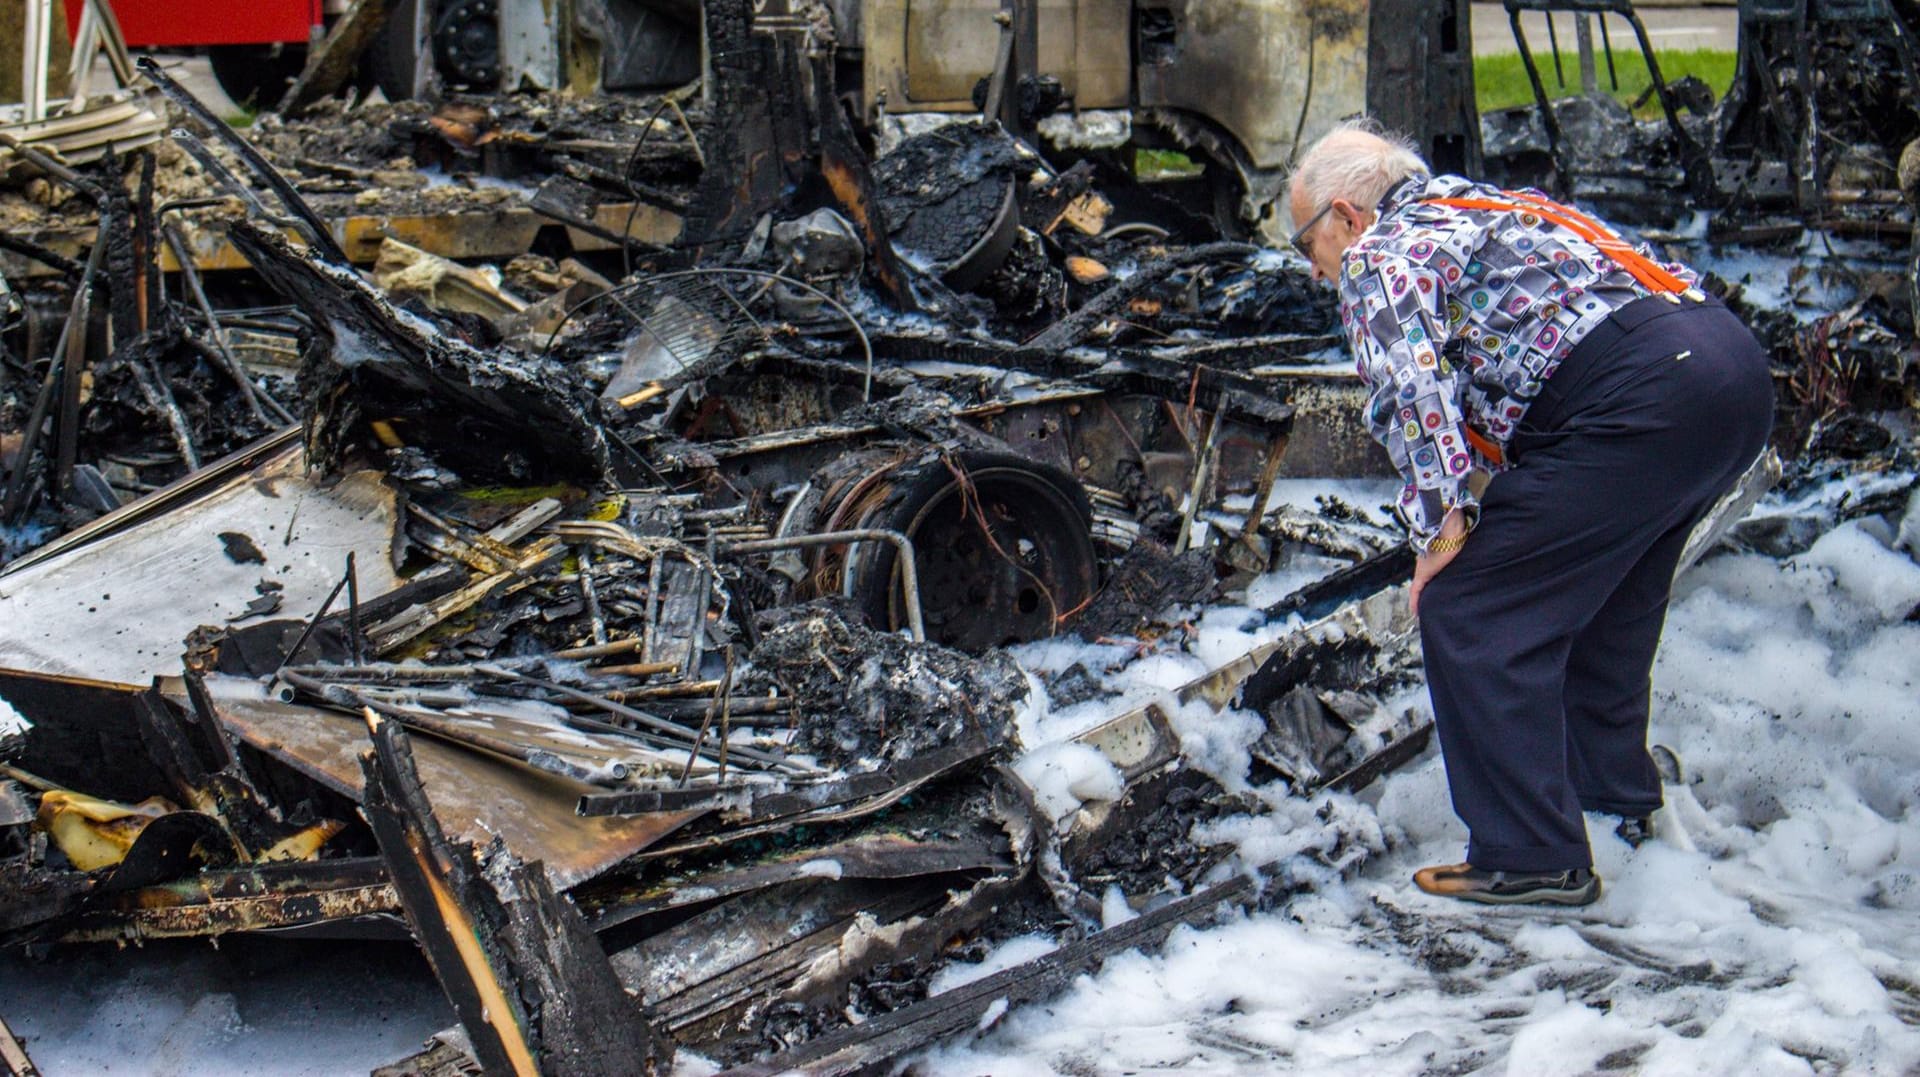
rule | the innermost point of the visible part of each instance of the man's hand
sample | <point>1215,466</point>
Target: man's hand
<point>1428,565</point>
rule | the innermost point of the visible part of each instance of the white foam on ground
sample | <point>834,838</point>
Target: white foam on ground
<point>1768,929</point>
<point>12,721</point>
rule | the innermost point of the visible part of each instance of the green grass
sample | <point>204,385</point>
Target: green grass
<point>1150,166</point>
<point>1500,79</point>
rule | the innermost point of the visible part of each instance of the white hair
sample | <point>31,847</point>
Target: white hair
<point>1359,161</point>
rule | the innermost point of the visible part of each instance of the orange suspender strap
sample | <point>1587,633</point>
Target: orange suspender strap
<point>1649,273</point>
<point>1485,446</point>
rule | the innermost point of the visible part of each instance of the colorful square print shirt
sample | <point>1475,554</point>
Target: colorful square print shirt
<point>1456,318</point>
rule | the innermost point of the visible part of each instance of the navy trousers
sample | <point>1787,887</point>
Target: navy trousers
<point>1539,636</point>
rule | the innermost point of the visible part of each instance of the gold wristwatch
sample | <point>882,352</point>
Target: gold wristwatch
<point>1448,545</point>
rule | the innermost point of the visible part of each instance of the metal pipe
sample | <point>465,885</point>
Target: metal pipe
<point>636,669</point>
<point>311,625</point>
<point>909,572</point>
<point>600,650</point>
<point>56,361</point>
<point>232,363</point>
<point>353,611</point>
<point>1553,42</point>
<point>672,729</point>
<point>651,740</point>
<point>378,672</point>
<point>317,232</point>
<point>587,592</point>
<point>1606,44</point>
<point>35,40</point>
<point>662,691</point>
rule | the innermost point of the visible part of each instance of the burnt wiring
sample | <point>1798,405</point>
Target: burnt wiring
<point>619,292</point>
<point>970,506</point>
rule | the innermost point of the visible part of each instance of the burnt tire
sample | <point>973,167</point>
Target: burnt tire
<point>392,59</point>
<point>466,43</point>
<point>256,76</point>
<point>1003,547</point>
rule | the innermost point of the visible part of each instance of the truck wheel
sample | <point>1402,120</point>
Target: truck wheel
<point>256,76</point>
<point>466,43</point>
<point>392,61</point>
<point>1003,545</point>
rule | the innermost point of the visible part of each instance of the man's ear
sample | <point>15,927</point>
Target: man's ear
<point>1349,213</point>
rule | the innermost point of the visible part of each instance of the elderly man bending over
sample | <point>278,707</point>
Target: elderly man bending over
<point>1610,402</point>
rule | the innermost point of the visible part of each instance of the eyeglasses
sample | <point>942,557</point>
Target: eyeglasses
<point>1298,239</point>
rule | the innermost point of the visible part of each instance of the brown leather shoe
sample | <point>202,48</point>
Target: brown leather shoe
<point>1578,886</point>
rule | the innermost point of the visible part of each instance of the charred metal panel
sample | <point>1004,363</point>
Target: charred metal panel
<point>927,55</point>
<point>534,39</point>
<point>76,724</point>
<point>1330,438</point>
<point>1420,78</point>
<point>1274,73</point>
<point>146,588</point>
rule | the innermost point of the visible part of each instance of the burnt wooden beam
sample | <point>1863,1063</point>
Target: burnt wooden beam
<point>13,1054</point>
<point>530,982</point>
<point>873,1046</point>
<point>844,165</point>
<point>332,61</point>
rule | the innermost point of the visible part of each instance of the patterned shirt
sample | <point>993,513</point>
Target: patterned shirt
<point>1456,318</point>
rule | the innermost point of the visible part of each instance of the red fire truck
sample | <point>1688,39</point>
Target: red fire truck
<point>257,47</point>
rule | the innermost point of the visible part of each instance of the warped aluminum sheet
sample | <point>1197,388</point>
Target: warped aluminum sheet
<point>475,795</point>
<point>118,608</point>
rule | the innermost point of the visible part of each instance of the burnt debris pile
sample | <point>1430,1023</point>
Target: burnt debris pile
<point>563,531</point>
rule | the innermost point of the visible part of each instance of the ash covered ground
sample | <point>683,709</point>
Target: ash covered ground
<point>1767,929</point>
